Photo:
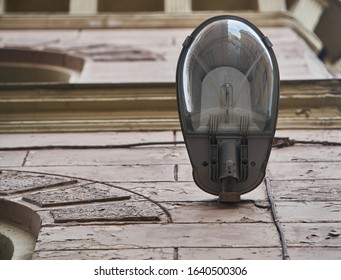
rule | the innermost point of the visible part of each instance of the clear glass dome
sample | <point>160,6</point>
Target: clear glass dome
<point>227,79</point>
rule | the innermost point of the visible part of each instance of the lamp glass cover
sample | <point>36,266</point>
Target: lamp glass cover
<point>227,78</point>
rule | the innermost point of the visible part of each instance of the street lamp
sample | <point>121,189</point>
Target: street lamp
<point>228,92</point>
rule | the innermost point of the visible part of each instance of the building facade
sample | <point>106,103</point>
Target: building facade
<point>91,153</point>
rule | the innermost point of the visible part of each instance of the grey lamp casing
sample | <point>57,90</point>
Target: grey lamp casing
<point>228,94</point>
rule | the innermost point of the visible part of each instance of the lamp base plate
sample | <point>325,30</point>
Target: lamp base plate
<point>229,197</point>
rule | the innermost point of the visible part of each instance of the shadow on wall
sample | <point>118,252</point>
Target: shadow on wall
<point>6,247</point>
<point>19,229</point>
<point>326,30</point>
<point>31,66</point>
<point>19,6</point>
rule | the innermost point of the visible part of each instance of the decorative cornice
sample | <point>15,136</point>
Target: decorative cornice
<point>133,107</point>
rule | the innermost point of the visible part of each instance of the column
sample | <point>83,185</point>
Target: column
<point>271,5</point>
<point>2,6</point>
<point>308,12</point>
<point>178,6</point>
<point>83,7</point>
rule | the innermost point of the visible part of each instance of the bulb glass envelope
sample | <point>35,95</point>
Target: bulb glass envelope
<point>228,92</point>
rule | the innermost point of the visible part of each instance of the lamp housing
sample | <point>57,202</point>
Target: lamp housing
<point>228,93</point>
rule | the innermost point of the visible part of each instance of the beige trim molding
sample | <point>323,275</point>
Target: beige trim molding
<point>151,20</point>
<point>173,6</point>
<point>135,107</point>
